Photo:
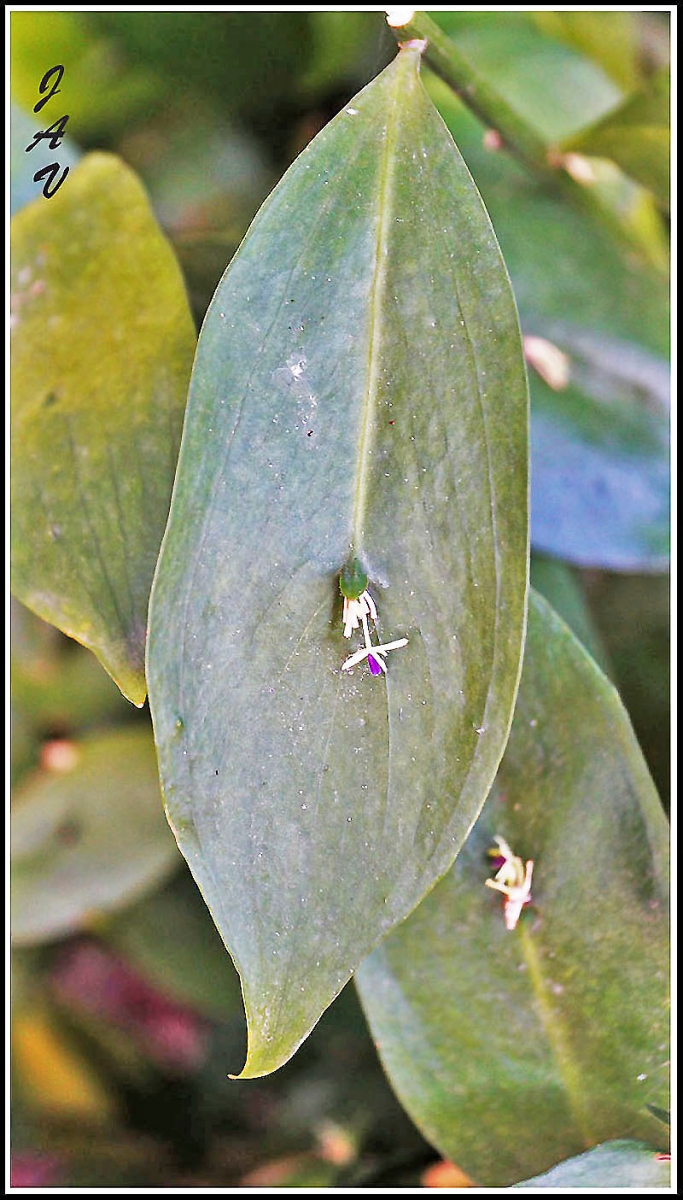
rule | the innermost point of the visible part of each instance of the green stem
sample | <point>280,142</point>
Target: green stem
<point>443,56</point>
<point>517,136</point>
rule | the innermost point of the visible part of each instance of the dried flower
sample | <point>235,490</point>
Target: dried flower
<point>513,879</point>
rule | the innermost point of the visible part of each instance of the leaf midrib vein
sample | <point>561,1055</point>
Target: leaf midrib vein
<point>386,177</point>
<point>569,1069</point>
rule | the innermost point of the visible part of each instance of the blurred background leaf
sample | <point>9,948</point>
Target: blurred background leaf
<point>560,585</point>
<point>170,937</point>
<point>56,1076</point>
<point>636,136</point>
<point>565,1018</point>
<point>102,347</point>
<point>632,615</point>
<point>244,62</point>
<point>100,92</point>
<point>563,265</point>
<point>608,314</point>
<point>617,52</point>
<point>621,1164</point>
<point>559,85</point>
<point>573,281</point>
<point>161,1066</point>
<point>534,91</point>
<point>600,454</point>
<point>58,689</point>
<point>88,834</point>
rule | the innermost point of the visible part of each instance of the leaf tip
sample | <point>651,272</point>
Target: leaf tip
<point>130,681</point>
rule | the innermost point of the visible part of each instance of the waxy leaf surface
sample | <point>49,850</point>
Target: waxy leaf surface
<point>358,389</point>
<point>515,1049</point>
<point>102,344</point>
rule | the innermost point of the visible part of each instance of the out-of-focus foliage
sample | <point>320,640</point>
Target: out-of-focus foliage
<point>102,342</point>
<point>618,54</point>
<point>582,982</point>
<point>100,91</point>
<point>88,834</point>
<point>636,136</point>
<point>124,1032</point>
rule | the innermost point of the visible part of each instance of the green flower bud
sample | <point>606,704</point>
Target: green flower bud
<point>353,580</point>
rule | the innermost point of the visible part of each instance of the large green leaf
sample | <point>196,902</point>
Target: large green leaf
<point>358,389</point>
<point>102,344</point>
<point>88,839</point>
<point>515,1049</point>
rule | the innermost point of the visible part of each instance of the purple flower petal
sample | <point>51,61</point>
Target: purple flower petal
<point>374,666</point>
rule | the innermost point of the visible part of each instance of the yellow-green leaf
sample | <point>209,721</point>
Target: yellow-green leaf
<point>101,352</point>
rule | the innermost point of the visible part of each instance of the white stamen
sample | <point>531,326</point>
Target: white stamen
<point>355,610</point>
<point>368,649</point>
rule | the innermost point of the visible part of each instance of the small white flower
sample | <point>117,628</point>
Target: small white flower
<point>513,880</point>
<point>355,610</point>
<point>374,654</point>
